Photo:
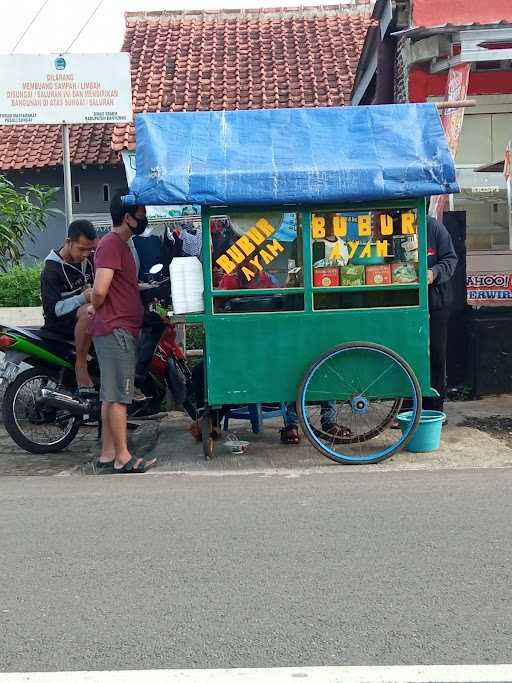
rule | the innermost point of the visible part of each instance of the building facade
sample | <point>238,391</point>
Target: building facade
<point>410,50</point>
<point>407,57</point>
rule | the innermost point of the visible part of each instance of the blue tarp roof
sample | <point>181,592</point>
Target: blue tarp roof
<point>292,156</point>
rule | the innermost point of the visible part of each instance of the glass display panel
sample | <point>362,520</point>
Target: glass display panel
<point>256,250</point>
<point>360,248</point>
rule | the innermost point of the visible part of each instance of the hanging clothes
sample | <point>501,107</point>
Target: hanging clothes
<point>149,252</point>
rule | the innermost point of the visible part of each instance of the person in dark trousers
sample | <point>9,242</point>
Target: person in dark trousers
<point>66,290</point>
<point>442,261</point>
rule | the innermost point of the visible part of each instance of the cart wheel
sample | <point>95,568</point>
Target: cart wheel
<point>350,396</point>
<point>207,434</point>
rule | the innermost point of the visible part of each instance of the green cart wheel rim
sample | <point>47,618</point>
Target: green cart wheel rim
<point>349,398</point>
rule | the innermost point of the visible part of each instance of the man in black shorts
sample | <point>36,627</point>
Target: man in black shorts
<point>66,290</point>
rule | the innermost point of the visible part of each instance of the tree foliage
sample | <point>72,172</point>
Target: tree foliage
<point>22,215</point>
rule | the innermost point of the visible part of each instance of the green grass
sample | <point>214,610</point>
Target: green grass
<point>20,287</point>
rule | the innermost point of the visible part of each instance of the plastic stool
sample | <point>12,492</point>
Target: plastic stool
<point>256,413</point>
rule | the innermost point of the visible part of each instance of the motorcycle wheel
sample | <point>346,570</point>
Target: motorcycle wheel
<point>28,425</point>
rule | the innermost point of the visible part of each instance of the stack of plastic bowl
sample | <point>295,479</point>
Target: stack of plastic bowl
<point>187,289</point>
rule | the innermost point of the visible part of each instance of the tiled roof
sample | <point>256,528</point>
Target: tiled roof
<point>242,59</point>
<point>41,146</point>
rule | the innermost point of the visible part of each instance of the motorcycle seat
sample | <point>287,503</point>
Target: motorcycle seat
<point>45,335</point>
<point>40,334</point>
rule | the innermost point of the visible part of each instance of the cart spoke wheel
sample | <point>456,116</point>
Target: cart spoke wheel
<point>349,399</point>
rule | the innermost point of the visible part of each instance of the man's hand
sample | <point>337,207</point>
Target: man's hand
<point>430,277</point>
<point>91,311</point>
<point>88,295</point>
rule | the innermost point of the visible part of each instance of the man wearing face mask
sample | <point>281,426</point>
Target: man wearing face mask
<point>117,312</point>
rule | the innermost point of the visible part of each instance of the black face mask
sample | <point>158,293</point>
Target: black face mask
<point>142,224</point>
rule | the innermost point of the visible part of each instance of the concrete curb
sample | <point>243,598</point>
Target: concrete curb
<point>27,316</point>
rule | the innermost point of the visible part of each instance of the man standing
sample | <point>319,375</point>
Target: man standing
<point>66,289</point>
<point>117,314</point>
<point>442,261</point>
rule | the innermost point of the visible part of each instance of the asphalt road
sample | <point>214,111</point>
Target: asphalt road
<point>245,570</point>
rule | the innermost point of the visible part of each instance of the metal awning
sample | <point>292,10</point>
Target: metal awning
<point>478,45</point>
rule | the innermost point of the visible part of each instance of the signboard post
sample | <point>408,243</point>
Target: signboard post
<point>66,164</point>
<point>456,90</point>
<point>63,89</point>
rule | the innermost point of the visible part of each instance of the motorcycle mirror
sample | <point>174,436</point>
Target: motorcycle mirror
<point>157,268</point>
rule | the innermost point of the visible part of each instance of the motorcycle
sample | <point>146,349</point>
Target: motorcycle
<point>42,411</point>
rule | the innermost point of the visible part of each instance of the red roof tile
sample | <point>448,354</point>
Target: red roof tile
<point>242,59</point>
<point>40,146</point>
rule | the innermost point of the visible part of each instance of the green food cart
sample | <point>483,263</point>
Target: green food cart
<point>314,260</point>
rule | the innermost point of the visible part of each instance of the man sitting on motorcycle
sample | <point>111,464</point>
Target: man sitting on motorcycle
<point>66,290</point>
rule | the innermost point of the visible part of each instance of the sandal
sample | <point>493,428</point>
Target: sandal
<point>99,467</point>
<point>339,432</point>
<point>135,466</point>
<point>290,435</point>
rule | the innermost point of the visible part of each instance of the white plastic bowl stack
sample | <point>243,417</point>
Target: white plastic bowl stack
<point>187,286</point>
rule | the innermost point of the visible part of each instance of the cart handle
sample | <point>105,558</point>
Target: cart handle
<point>457,104</point>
